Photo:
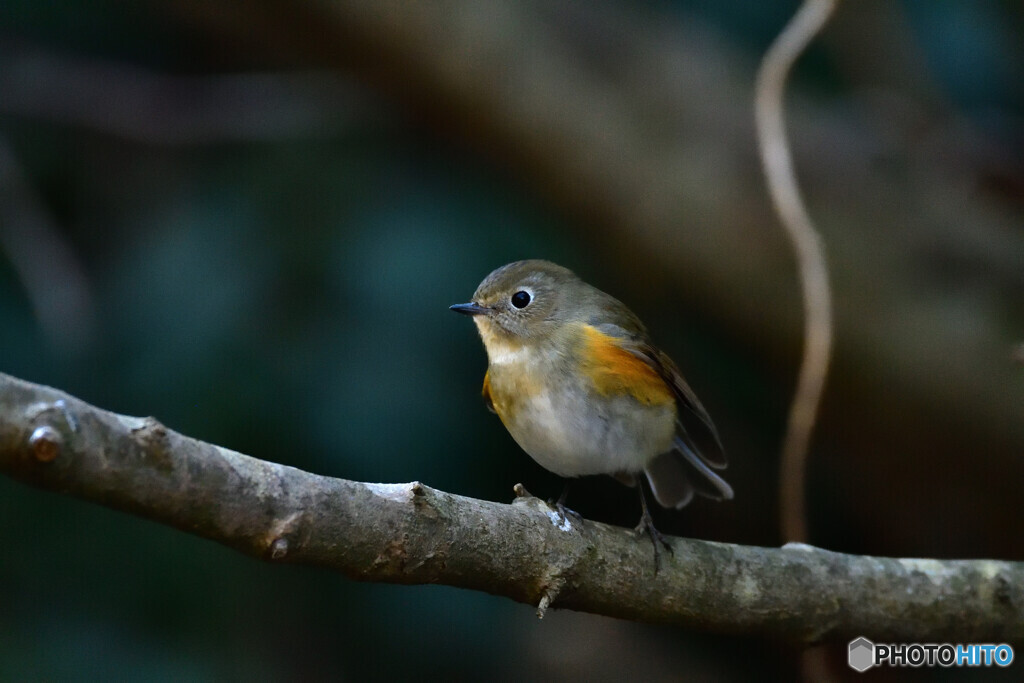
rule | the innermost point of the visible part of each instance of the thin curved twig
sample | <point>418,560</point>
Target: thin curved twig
<point>778,168</point>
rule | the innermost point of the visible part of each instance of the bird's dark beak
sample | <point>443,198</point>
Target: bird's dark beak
<point>470,309</point>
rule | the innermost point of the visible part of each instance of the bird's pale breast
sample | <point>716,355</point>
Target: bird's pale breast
<point>592,408</point>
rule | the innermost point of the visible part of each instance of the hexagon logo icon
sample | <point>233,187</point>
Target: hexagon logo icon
<point>861,654</point>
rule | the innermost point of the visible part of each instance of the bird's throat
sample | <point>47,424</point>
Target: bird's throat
<point>502,349</point>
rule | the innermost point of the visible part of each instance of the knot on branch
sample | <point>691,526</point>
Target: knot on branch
<point>550,593</point>
<point>424,500</point>
<point>279,548</point>
<point>153,438</point>
<point>46,443</point>
<point>152,432</point>
<point>275,541</point>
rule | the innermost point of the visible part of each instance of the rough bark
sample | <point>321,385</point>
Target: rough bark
<point>412,534</point>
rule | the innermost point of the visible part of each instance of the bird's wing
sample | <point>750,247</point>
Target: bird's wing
<point>696,430</point>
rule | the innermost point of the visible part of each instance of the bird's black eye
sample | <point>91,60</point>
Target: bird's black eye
<point>521,299</point>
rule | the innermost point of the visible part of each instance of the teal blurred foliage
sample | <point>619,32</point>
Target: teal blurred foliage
<point>290,304</point>
<point>288,299</point>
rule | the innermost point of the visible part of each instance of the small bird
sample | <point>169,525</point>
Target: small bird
<point>579,386</point>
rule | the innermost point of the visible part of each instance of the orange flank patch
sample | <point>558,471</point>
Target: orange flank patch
<point>506,395</point>
<point>486,392</point>
<point>614,370</point>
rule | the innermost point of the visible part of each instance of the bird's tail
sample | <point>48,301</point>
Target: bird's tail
<point>677,475</point>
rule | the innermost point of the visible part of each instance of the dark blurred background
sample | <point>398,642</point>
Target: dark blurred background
<point>248,220</point>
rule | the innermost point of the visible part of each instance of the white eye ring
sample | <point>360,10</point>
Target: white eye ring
<point>522,298</point>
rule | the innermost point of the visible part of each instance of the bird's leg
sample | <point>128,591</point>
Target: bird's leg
<point>560,505</point>
<point>646,524</point>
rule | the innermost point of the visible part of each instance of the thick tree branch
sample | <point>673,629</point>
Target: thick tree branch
<point>410,533</point>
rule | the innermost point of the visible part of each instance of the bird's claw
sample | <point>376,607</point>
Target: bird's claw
<point>564,512</point>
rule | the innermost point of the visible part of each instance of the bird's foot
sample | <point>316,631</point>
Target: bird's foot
<point>646,525</point>
<point>564,512</point>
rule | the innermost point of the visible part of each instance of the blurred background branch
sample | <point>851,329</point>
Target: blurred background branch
<point>155,108</point>
<point>48,268</point>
